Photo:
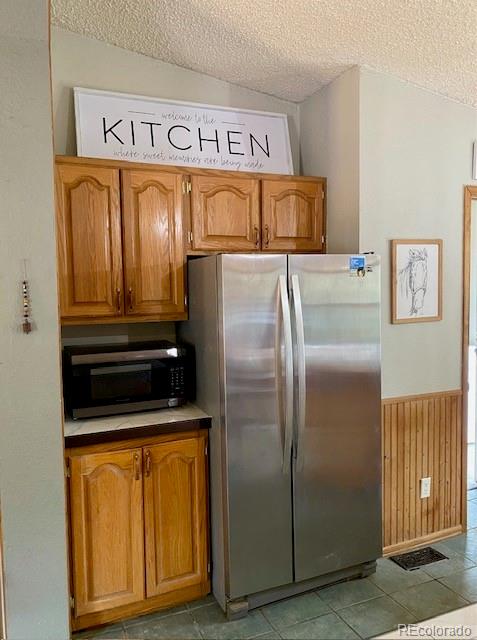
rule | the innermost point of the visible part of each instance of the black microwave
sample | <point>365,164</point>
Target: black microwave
<point>123,378</point>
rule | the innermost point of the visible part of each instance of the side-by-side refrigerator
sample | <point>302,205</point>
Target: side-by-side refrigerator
<point>288,366</point>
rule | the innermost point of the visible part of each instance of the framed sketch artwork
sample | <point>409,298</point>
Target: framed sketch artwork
<point>416,272</point>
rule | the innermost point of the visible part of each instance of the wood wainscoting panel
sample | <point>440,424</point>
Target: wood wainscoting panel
<point>422,437</point>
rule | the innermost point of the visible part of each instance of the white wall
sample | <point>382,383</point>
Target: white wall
<point>84,62</point>
<point>415,158</point>
<point>329,122</point>
<point>31,448</point>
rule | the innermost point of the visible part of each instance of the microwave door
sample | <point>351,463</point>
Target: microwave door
<point>121,382</point>
<point>126,387</point>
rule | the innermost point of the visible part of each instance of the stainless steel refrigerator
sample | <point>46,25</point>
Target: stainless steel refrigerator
<point>288,365</point>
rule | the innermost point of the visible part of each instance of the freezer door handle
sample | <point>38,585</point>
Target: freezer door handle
<point>284,309</point>
<point>300,370</point>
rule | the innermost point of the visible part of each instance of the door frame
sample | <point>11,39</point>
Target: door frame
<point>470,194</point>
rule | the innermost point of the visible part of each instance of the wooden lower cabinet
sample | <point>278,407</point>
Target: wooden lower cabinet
<point>175,516</point>
<point>107,527</point>
<point>138,526</point>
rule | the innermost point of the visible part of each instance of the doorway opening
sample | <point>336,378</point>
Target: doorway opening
<point>2,601</point>
<point>469,351</point>
<point>471,404</point>
<point>471,417</point>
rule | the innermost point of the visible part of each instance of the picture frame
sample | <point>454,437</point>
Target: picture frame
<point>416,281</point>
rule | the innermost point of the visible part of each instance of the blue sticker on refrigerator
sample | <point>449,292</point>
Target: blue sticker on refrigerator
<point>357,265</point>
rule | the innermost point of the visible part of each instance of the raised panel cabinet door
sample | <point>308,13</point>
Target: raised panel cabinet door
<point>292,215</point>
<point>225,213</point>
<point>175,515</point>
<point>89,241</point>
<point>107,528</point>
<point>153,242</point>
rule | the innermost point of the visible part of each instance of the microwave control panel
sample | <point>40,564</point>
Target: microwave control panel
<point>176,379</point>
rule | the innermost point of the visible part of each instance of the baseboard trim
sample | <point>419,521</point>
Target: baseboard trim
<point>410,545</point>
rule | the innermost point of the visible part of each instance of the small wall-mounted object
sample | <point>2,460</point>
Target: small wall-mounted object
<point>26,325</point>
<point>425,487</point>
<point>474,161</point>
<point>26,302</point>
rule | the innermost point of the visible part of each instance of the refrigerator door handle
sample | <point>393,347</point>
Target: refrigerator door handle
<point>300,369</point>
<point>287,334</point>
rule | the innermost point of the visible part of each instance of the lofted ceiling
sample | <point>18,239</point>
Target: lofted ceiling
<point>291,48</point>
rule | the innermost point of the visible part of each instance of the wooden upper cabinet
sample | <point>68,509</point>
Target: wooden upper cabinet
<point>107,530</point>
<point>121,232</point>
<point>225,213</point>
<point>175,515</point>
<point>153,242</point>
<point>292,215</point>
<point>89,241</point>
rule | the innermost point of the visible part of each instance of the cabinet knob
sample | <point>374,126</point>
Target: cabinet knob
<point>267,235</point>
<point>148,463</point>
<point>257,236</point>
<point>137,467</point>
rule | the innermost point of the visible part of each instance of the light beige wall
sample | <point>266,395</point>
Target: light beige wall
<point>397,158</point>
<point>31,448</point>
<point>329,122</point>
<point>415,158</point>
<point>84,62</point>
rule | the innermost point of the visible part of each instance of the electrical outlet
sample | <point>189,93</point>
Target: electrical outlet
<point>425,487</point>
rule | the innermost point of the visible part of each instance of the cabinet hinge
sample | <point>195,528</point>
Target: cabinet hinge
<point>186,186</point>
<point>67,469</point>
<point>323,239</point>
<point>206,450</point>
<point>209,567</point>
<point>189,186</point>
<point>185,301</point>
<point>72,602</point>
<point>190,237</point>
<point>322,195</point>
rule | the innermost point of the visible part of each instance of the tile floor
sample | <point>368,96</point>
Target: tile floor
<point>355,609</point>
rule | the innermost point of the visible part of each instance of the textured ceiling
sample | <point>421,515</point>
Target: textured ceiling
<point>290,48</point>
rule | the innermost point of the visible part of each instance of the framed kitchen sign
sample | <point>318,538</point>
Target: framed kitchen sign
<point>120,126</point>
<point>416,272</point>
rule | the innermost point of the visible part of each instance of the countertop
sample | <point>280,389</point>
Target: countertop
<point>132,425</point>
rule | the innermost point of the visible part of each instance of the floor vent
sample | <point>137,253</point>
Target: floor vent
<point>416,559</point>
